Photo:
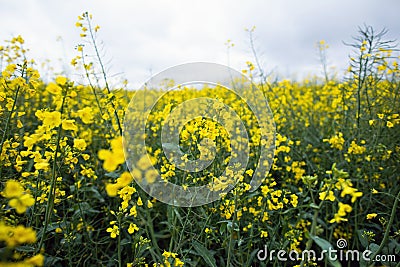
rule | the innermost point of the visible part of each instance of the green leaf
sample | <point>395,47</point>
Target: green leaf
<point>373,247</point>
<point>94,193</point>
<point>204,253</point>
<point>113,175</point>
<point>25,249</point>
<point>222,228</point>
<point>325,245</point>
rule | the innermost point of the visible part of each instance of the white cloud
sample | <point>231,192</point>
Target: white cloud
<point>140,36</point>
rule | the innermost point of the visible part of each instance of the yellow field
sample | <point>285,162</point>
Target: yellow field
<point>68,198</point>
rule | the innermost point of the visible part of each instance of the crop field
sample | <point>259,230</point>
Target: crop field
<point>69,197</point>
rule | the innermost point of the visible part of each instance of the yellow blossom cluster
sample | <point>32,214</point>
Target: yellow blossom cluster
<point>19,199</point>
<point>63,172</point>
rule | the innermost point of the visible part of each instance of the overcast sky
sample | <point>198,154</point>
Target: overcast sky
<point>144,37</point>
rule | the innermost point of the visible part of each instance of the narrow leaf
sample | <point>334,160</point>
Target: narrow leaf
<point>204,253</point>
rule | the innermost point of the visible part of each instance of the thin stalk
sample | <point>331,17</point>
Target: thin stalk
<point>119,243</point>
<point>50,203</point>
<point>103,71</point>
<point>3,138</point>
<point>386,235</point>
<point>174,231</point>
<point>91,85</point>
<point>151,233</point>
<point>262,74</point>
<point>312,232</point>
<point>228,261</point>
<point>313,224</point>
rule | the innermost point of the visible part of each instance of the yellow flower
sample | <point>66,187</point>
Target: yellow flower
<point>51,119</point>
<point>294,200</point>
<point>151,176</point>
<point>114,231</point>
<point>344,208</point>
<point>208,230</point>
<point>18,235</point>
<point>167,254</point>
<point>37,260</point>
<point>125,179</point>
<point>139,201</point>
<point>264,233</point>
<point>132,228</point>
<point>112,158</point>
<point>371,216</point>
<point>112,189</point>
<point>133,211</point>
<point>61,80</point>
<point>355,195</point>
<point>178,262</point>
<point>145,162</point>
<point>324,196</point>
<point>389,124</point>
<point>19,124</point>
<point>80,144</point>
<point>42,165</point>
<point>336,141</point>
<point>69,125</point>
<point>54,89</point>
<point>86,115</point>
<point>338,219</point>
<point>355,149</point>
<point>348,190</point>
<point>137,175</point>
<point>13,189</point>
<point>21,203</point>
<point>109,162</point>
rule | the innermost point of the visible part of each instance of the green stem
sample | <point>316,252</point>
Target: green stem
<point>313,224</point>
<point>228,261</point>
<point>103,71</point>
<point>119,243</point>
<point>151,233</point>
<point>91,84</point>
<point>50,203</point>
<point>312,233</point>
<point>174,218</point>
<point>386,235</point>
<point>3,139</point>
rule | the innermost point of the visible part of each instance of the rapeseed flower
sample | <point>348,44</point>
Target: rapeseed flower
<point>114,231</point>
<point>132,228</point>
<point>13,189</point>
<point>115,157</point>
<point>86,115</point>
<point>80,144</point>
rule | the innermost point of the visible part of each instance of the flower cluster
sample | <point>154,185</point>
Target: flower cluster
<point>69,199</point>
